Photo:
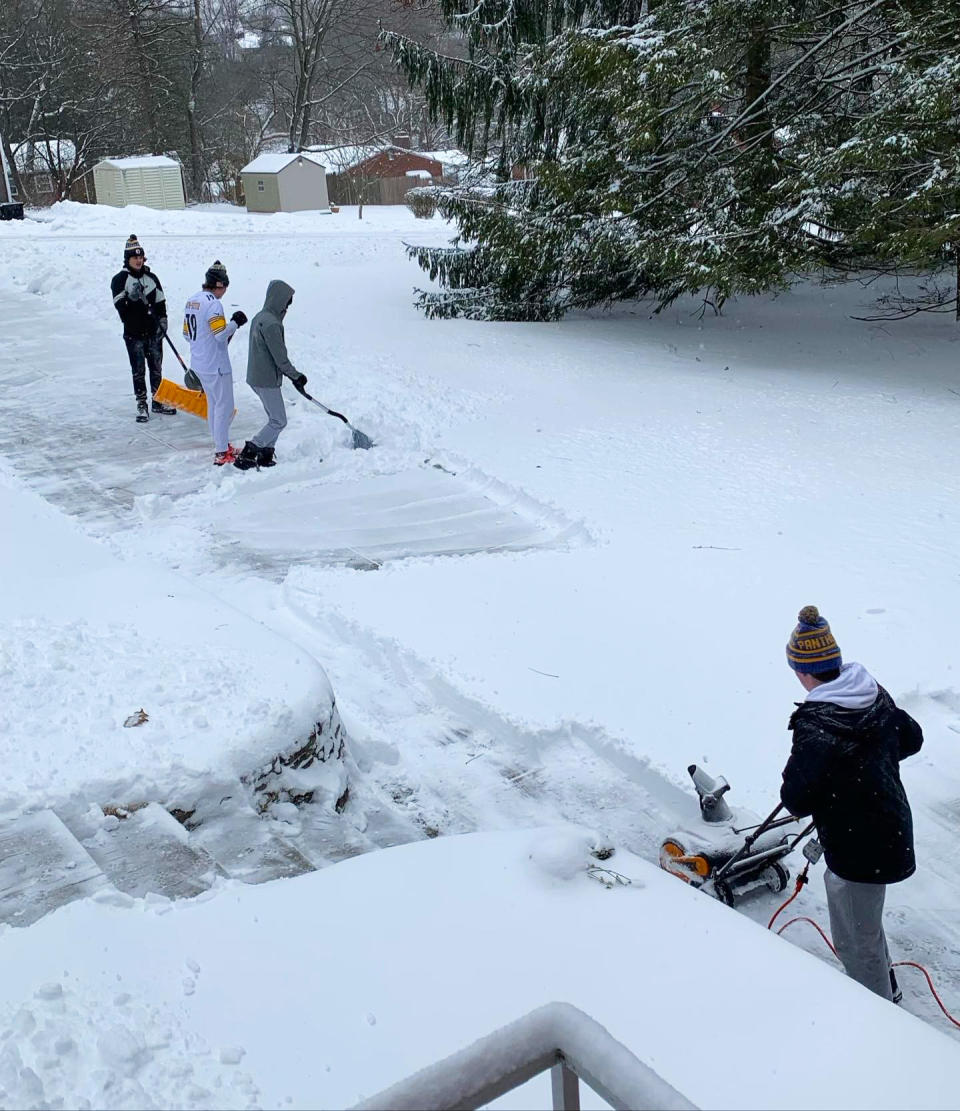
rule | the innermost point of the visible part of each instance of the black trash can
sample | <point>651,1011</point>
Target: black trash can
<point>11,210</point>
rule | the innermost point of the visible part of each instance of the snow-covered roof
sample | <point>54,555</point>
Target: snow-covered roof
<point>342,158</point>
<point>140,162</point>
<point>417,173</point>
<point>452,157</point>
<point>47,156</point>
<point>272,162</point>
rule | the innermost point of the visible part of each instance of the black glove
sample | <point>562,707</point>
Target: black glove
<point>299,382</point>
<point>239,318</point>
<point>161,326</point>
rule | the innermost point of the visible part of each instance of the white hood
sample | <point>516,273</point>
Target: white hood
<point>853,689</point>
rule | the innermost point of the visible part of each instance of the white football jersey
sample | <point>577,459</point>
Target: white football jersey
<point>207,331</point>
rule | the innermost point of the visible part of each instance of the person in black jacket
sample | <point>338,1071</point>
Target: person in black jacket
<point>139,300</point>
<point>844,770</point>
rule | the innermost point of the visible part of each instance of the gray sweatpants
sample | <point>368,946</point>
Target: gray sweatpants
<point>856,923</point>
<point>271,398</point>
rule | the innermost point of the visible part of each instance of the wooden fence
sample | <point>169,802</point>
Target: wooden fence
<point>353,189</point>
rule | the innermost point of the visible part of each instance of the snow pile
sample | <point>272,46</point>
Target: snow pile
<point>86,642</point>
<point>71,1048</point>
<point>563,853</point>
<point>342,982</point>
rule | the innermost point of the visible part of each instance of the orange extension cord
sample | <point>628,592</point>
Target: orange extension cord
<point>801,880</point>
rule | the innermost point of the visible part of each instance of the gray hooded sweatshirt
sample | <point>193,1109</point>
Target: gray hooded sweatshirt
<point>267,359</point>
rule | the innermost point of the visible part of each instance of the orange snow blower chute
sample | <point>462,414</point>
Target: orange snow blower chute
<point>190,401</point>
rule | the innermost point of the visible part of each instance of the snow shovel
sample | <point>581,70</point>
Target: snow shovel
<point>186,400</point>
<point>153,317</point>
<point>359,439</point>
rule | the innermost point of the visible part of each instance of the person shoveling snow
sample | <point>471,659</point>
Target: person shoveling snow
<point>267,365</point>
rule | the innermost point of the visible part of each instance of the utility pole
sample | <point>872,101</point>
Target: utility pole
<point>8,191</point>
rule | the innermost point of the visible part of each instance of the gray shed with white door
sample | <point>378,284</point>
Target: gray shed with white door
<point>285,182</point>
<point>153,180</point>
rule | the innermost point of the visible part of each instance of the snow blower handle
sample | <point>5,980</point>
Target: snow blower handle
<point>747,845</point>
<point>813,850</point>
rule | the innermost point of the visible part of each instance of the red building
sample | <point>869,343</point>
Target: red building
<point>382,173</point>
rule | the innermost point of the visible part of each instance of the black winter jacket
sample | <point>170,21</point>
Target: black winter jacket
<point>844,770</point>
<point>135,297</point>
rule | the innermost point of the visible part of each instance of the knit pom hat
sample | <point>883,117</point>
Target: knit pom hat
<point>216,275</point>
<point>812,649</point>
<point>133,249</point>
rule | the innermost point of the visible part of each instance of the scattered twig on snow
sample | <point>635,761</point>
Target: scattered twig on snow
<point>523,775</point>
<point>714,548</point>
<point>608,877</point>
<point>548,674</point>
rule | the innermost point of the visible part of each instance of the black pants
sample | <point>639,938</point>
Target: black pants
<point>142,353</point>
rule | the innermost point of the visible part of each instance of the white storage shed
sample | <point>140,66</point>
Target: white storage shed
<point>153,180</point>
<point>295,182</point>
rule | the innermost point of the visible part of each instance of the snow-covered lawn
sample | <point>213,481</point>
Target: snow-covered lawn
<point>567,570</point>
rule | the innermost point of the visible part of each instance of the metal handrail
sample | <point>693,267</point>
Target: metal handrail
<point>557,1036</point>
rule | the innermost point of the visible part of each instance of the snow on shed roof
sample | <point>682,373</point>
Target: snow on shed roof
<point>140,162</point>
<point>272,162</point>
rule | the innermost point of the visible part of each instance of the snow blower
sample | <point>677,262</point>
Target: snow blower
<point>717,858</point>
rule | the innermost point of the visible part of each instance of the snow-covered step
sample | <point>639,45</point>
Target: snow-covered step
<point>42,867</point>
<point>248,848</point>
<point>330,838</point>
<point>149,851</point>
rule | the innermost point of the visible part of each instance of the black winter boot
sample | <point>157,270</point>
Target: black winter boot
<point>267,457</point>
<point>159,407</point>
<point>248,457</point>
<point>143,414</point>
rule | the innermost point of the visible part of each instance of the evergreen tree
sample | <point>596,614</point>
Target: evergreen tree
<point>892,189</point>
<point>691,147</point>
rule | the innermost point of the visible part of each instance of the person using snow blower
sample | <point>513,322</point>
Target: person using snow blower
<point>267,364</point>
<point>208,332</point>
<point>140,303</point>
<point>844,770</point>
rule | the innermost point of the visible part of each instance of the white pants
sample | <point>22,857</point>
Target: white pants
<point>219,390</point>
